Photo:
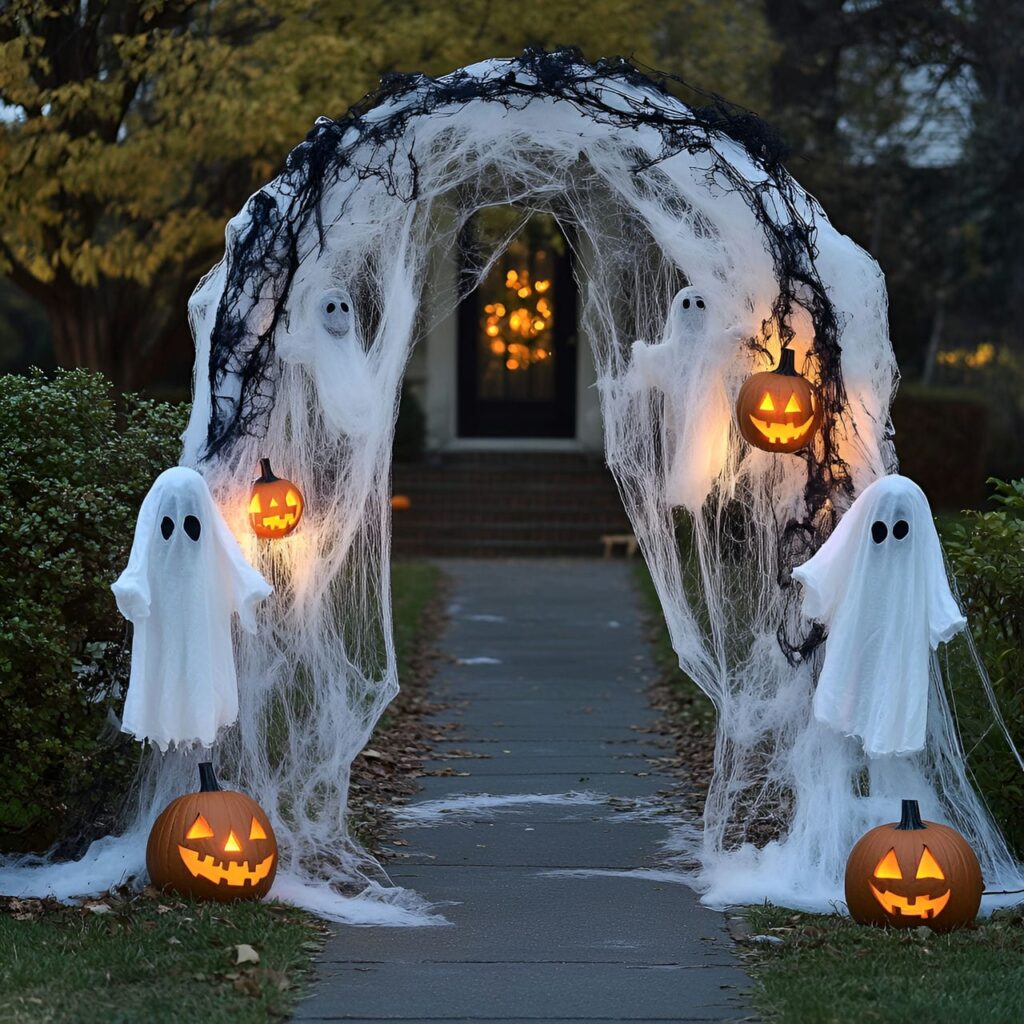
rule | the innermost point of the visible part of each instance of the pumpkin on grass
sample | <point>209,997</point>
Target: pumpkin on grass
<point>275,505</point>
<point>213,845</point>
<point>913,873</point>
<point>778,410</point>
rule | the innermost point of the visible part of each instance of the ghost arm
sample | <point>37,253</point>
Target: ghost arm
<point>131,589</point>
<point>945,619</point>
<point>650,365</point>
<point>248,587</point>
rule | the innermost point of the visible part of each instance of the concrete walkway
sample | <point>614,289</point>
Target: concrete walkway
<point>548,680</point>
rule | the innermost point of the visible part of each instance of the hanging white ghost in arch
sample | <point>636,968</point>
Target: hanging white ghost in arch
<point>323,337</point>
<point>689,366</point>
<point>186,577</point>
<point>879,583</point>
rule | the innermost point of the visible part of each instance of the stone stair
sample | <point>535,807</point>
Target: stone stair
<point>506,503</point>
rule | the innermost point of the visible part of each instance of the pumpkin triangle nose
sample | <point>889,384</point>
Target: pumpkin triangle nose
<point>231,846</point>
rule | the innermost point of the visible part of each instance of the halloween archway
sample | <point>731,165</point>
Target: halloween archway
<point>303,332</point>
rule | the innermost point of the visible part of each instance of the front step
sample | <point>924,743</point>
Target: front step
<point>506,503</point>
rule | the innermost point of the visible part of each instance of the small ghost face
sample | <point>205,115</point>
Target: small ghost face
<point>336,312</point>
<point>689,311</point>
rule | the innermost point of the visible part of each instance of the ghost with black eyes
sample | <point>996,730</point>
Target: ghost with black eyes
<point>322,336</point>
<point>186,577</point>
<point>879,584</point>
<point>687,367</point>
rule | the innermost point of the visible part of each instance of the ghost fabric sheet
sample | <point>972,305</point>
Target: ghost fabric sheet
<point>879,584</point>
<point>687,367</point>
<point>186,577</point>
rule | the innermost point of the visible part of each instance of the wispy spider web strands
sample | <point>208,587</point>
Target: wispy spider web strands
<point>653,196</point>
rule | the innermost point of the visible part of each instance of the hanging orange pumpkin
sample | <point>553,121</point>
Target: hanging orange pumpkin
<point>913,873</point>
<point>778,410</point>
<point>213,845</point>
<point>275,505</point>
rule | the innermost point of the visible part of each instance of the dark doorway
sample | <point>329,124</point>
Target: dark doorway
<point>517,336</point>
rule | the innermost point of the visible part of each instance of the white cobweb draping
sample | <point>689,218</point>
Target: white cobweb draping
<point>355,218</point>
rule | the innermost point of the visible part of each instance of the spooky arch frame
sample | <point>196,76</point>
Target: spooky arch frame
<point>658,195</point>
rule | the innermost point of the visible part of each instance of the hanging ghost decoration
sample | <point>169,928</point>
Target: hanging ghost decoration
<point>186,576</point>
<point>688,366</point>
<point>879,584</point>
<point>323,337</point>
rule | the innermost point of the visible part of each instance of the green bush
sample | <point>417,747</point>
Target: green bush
<point>75,462</point>
<point>986,552</point>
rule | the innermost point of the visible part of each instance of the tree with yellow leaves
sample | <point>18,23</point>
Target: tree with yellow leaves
<point>131,130</point>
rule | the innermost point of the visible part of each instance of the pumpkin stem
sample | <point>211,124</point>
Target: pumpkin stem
<point>266,473</point>
<point>910,817</point>
<point>207,779</point>
<point>787,363</point>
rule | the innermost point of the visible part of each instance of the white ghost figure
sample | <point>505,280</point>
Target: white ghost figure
<point>323,336</point>
<point>879,583</point>
<point>688,368</point>
<point>186,576</point>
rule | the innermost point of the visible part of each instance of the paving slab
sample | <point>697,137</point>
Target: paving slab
<point>547,859</point>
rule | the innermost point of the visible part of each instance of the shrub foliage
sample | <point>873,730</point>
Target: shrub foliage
<point>986,552</point>
<point>75,462</point>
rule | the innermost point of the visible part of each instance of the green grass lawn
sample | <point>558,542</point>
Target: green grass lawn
<point>828,969</point>
<point>151,959</point>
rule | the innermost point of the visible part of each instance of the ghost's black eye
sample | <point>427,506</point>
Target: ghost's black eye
<point>700,303</point>
<point>167,527</point>
<point>901,529</point>
<point>344,307</point>
<point>330,307</point>
<point>879,531</point>
<point>192,527</point>
<point>686,303</point>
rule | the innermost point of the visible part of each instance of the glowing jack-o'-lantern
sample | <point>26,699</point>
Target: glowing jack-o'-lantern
<point>214,845</point>
<point>778,410</point>
<point>275,505</point>
<point>913,873</point>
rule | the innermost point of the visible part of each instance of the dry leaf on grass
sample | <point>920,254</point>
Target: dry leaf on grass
<point>245,954</point>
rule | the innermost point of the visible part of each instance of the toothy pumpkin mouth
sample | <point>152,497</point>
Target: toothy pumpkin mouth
<point>278,522</point>
<point>782,433</point>
<point>910,906</point>
<point>232,872</point>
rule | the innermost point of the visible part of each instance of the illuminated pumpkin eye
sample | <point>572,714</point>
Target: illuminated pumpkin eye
<point>254,505</point>
<point>292,499</point>
<point>929,866</point>
<point>793,405</point>
<point>200,829</point>
<point>232,846</point>
<point>888,866</point>
<point>767,405</point>
<point>256,830</point>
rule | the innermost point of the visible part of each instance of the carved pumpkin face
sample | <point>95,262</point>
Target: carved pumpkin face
<point>913,873</point>
<point>275,505</point>
<point>778,410</point>
<point>214,845</point>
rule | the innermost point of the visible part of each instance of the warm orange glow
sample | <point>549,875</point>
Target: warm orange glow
<point>256,830</point>
<point>767,405</point>
<point>232,845</point>
<point>200,829</point>
<point>232,873</point>
<point>793,405</point>
<point>929,866</point>
<point>888,866</point>
<point>512,364</point>
<point>275,505</point>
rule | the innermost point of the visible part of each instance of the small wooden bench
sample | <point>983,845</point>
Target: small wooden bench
<point>626,541</point>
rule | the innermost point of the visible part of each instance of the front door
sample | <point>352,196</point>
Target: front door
<point>517,340</point>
